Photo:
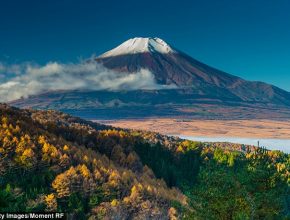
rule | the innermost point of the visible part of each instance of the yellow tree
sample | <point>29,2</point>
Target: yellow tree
<point>50,202</point>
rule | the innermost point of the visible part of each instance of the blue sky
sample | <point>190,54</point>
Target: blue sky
<point>248,38</point>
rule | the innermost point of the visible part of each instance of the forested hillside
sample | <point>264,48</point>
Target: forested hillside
<point>50,161</point>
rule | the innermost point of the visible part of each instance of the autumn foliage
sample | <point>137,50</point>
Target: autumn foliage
<point>50,161</point>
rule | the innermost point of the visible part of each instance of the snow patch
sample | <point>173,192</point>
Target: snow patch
<point>140,45</point>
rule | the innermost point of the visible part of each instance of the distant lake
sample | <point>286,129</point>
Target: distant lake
<point>271,144</point>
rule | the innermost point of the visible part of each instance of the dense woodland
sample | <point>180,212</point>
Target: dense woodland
<point>50,161</point>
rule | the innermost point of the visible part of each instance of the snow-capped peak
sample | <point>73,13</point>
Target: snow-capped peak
<point>140,45</point>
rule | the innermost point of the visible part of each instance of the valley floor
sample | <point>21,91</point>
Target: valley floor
<point>209,128</point>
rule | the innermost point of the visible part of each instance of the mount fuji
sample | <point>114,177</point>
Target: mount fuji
<point>198,90</point>
<point>171,66</point>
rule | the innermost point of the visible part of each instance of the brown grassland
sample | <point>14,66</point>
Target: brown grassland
<point>211,128</point>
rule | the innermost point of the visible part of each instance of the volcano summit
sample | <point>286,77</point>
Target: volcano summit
<point>171,66</point>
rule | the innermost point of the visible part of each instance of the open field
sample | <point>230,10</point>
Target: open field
<point>209,128</point>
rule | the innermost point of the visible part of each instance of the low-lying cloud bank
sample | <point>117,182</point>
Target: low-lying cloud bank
<point>22,81</point>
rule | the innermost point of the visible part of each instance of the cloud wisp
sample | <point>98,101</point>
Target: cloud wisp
<point>31,79</point>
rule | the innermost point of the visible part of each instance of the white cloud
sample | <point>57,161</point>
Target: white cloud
<point>31,79</point>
